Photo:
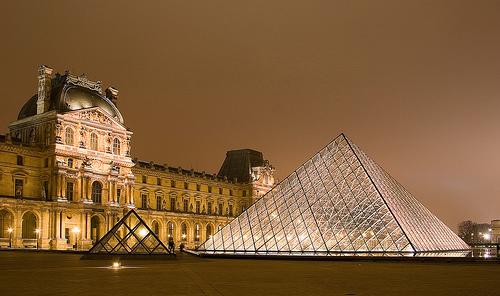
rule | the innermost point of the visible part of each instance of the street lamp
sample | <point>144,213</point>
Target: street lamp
<point>76,231</point>
<point>37,232</point>
<point>9,230</point>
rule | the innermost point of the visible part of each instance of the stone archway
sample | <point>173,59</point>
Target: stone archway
<point>96,228</point>
<point>29,226</point>
<point>6,223</point>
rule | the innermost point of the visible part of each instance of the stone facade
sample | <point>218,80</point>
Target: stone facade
<point>67,176</point>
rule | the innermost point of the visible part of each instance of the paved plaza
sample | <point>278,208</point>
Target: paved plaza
<point>31,273</point>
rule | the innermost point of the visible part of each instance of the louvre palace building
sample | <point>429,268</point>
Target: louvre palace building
<point>67,175</point>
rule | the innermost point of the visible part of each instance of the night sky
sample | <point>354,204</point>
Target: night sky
<point>415,84</point>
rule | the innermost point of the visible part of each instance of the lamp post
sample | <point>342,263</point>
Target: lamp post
<point>76,231</point>
<point>37,232</point>
<point>9,230</point>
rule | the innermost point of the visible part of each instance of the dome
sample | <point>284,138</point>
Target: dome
<point>70,93</point>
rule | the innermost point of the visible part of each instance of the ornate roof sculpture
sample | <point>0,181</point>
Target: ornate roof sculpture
<point>130,236</point>
<point>69,92</point>
<point>337,202</point>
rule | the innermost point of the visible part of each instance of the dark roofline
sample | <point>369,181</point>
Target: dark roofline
<point>181,171</point>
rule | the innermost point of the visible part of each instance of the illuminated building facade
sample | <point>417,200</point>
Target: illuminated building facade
<point>67,175</point>
<point>339,202</point>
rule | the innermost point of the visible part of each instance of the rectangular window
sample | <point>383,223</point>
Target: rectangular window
<point>158,202</point>
<point>172,204</point>
<point>220,209</point>
<point>46,163</point>
<point>198,207</point>
<point>144,179</point>
<point>230,210</point>
<point>244,193</point>
<point>209,208</point>
<point>185,185</point>
<point>69,191</point>
<point>18,187</point>
<point>231,192</point>
<point>20,160</point>
<point>220,190</point>
<point>70,163</point>
<point>186,205</point>
<point>144,201</point>
<point>172,183</point>
<point>46,189</point>
<point>198,187</point>
<point>210,189</point>
<point>118,195</point>
<point>158,181</point>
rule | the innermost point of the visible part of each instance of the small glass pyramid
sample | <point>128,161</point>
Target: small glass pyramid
<point>130,236</point>
<point>339,202</point>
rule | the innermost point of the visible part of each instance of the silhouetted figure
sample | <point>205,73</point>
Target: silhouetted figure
<point>181,247</point>
<point>171,245</point>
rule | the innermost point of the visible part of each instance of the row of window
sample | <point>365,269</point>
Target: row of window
<point>196,231</point>
<point>69,139</point>
<point>186,207</point>
<point>186,186</point>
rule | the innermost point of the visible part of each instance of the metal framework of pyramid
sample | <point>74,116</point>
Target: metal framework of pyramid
<point>338,202</point>
<point>130,236</point>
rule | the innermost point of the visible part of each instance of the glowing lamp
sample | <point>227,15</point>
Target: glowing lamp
<point>143,232</point>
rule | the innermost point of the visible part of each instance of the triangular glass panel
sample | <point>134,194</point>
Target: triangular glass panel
<point>130,236</point>
<point>338,201</point>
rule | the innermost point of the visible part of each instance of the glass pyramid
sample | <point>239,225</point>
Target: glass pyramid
<point>130,236</point>
<point>338,202</point>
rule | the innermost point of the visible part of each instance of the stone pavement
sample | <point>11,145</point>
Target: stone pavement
<point>31,273</point>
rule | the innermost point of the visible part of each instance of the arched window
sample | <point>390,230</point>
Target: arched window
<point>96,192</point>
<point>29,226</point>
<point>116,146</point>
<point>69,137</point>
<point>184,231</point>
<point>156,228</point>
<point>209,231</point>
<point>197,232</point>
<point>5,223</point>
<point>171,229</point>
<point>94,142</point>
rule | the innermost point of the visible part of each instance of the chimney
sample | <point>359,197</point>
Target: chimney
<point>112,94</point>
<point>44,87</point>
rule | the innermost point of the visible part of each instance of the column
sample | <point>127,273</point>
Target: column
<point>63,186</point>
<point>60,182</point>
<point>113,191</point>
<point>87,225</point>
<point>83,191</point>
<point>132,195</point>
<point>88,189</point>
<point>58,224</point>
<point>78,187</point>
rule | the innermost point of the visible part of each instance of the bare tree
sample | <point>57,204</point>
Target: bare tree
<point>466,231</point>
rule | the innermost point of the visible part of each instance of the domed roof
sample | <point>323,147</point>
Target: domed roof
<point>69,93</point>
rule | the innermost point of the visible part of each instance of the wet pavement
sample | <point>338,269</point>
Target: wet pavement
<point>44,273</point>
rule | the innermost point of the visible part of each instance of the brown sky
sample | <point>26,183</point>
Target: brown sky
<point>416,84</point>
